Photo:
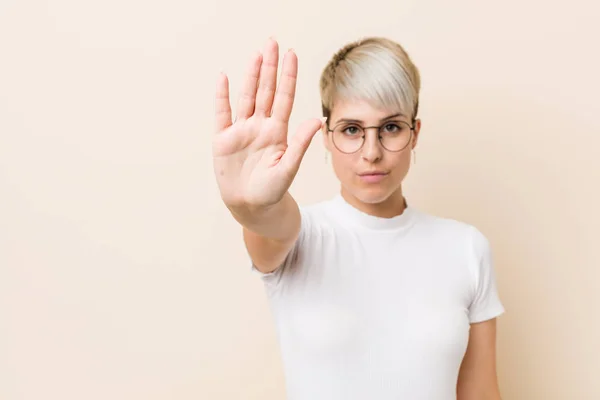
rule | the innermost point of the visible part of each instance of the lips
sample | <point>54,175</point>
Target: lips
<point>373,173</point>
<point>372,177</point>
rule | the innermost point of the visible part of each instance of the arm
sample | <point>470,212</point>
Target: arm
<point>254,163</point>
<point>477,379</point>
<point>269,235</point>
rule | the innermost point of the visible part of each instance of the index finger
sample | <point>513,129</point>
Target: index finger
<point>286,91</point>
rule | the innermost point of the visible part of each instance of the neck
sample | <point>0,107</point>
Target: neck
<point>392,206</point>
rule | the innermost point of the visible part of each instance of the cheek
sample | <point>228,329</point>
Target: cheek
<point>340,170</point>
<point>343,165</point>
<point>400,163</point>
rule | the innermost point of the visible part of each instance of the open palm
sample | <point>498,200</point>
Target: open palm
<point>254,163</point>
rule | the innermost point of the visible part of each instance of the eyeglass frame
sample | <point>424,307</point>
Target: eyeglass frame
<point>364,129</point>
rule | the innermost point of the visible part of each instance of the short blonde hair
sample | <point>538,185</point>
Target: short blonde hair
<point>373,69</point>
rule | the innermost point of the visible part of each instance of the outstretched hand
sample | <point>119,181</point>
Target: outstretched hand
<point>254,163</point>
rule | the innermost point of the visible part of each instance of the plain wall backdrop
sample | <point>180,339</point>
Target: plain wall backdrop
<point>122,276</point>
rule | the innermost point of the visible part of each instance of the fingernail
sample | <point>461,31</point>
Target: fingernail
<point>323,121</point>
<point>290,50</point>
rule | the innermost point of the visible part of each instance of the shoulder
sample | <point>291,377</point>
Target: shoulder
<point>319,208</point>
<point>449,227</point>
<point>464,240</point>
<point>471,246</point>
<point>315,227</point>
<point>317,215</point>
<point>462,236</point>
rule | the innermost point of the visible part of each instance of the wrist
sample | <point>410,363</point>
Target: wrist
<point>277,222</point>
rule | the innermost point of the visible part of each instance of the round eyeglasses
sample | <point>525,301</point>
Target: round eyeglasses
<point>350,137</point>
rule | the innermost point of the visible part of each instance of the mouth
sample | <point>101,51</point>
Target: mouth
<point>372,176</point>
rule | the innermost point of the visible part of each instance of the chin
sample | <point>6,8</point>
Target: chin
<point>372,195</point>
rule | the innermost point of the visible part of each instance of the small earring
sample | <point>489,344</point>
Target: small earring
<point>326,156</point>
<point>414,156</point>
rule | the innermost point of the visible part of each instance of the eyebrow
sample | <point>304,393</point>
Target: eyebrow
<point>358,121</point>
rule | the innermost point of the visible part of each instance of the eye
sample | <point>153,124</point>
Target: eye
<point>392,128</point>
<point>351,130</point>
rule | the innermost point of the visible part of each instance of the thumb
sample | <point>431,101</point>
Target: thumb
<point>299,143</point>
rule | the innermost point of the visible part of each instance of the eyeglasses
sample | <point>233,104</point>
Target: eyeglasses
<point>350,137</point>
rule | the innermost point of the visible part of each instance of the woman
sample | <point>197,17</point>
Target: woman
<point>372,298</point>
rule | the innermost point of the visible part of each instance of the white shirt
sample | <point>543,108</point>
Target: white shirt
<point>377,308</point>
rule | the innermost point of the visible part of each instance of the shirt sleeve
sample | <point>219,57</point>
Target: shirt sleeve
<point>274,278</point>
<point>486,303</point>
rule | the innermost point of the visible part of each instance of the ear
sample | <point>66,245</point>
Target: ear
<point>416,131</point>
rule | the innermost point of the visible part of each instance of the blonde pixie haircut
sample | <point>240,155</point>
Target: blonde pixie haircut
<point>376,70</point>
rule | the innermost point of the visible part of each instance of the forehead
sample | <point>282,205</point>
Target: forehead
<point>360,110</point>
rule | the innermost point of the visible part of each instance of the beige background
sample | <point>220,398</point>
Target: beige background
<point>123,277</point>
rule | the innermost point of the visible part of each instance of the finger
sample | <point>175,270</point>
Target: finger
<point>248,95</point>
<point>222,106</point>
<point>268,78</point>
<point>299,144</point>
<point>286,91</point>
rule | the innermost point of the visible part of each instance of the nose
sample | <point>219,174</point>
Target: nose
<point>371,150</point>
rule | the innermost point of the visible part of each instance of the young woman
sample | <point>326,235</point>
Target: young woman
<point>372,298</point>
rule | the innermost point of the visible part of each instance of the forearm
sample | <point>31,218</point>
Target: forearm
<point>269,234</point>
<point>479,395</point>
